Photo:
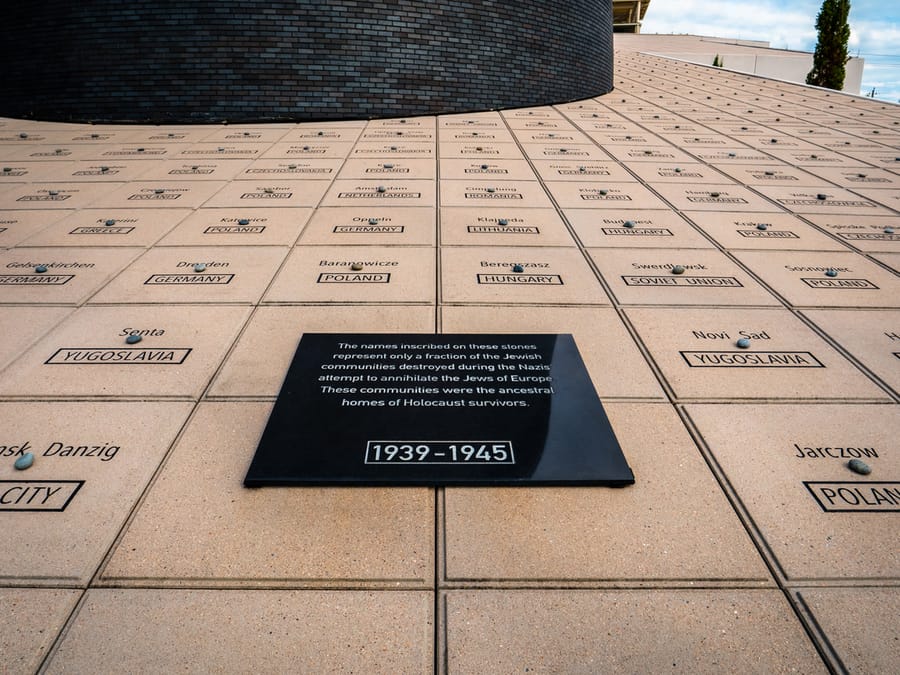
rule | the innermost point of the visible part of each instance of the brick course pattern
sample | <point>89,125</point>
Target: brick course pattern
<point>258,60</point>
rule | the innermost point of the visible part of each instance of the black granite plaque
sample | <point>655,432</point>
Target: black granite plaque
<point>363,409</point>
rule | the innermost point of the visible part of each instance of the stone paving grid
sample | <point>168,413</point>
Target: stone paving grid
<point>697,552</point>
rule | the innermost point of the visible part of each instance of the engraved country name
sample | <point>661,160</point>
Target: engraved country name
<point>35,279</point>
<point>188,279</point>
<point>695,282</point>
<point>102,229</point>
<point>503,229</point>
<point>354,278</point>
<point>637,231</point>
<point>368,229</point>
<point>855,284</point>
<point>521,279</point>
<point>729,359</point>
<point>119,355</point>
<point>847,496</point>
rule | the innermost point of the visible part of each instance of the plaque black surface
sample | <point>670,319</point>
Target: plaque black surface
<point>364,415</point>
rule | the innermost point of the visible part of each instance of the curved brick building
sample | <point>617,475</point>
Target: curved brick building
<point>157,60</point>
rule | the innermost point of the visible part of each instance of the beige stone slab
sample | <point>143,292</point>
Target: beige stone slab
<point>537,113</point>
<point>73,172</point>
<point>187,170</point>
<point>378,225</point>
<point>773,174</point>
<point>565,170</point>
<point>422,122</point>
<point>391,169</point>
<point>853,144</point>
<point>329,131</point>
<point>724,196</point>
<point>614,363</point>
<point>14,172</point>
<point>698,354</point>
<point>167,134</point>
<point>549,276</point>
<point>130,151</point>
<point>17,226</point>
<point>859,625</point>
<point>223,150</point>
<point>503,226</point>
<point>277,192</point>
<point>168,275</point>
<point>479,150</point>
<point>393,193</point>
<point>175,193</point>
<point>476,134</point>
<point>690,173</point>
<point>800,278</point>
<point>308,149</point>
<point>486,170</point>
<point>59,152</point>
<point>34,618</point>
<point>734,154</point>
<point>109,227</point>
<point>563,151</point>
<point>885,197</point>
<point>629,137</point>
<point>809,200</point>
<point>485,120</point>
<point>651,229</point>
<point>779,231</point>
<point>307,537</point>
<point>655,154</point>
<point>72,274</point>
<point>889,161</point>
<point>645,277</point>
<point>239,227</point>
<point>490,193</point>
<point>86,356</point>
<point>291,169</point>
<point>583,534</point>
<point>604,196</point>
<point>46,195</point>
<point>860,177</point>
<point>590,123</point>
<point>257,365</point>
<point>641,631</point>
<point>788,465</point>
<point>326,274</point>
<point>92,461</point>
<point>814,158</point>
<point>395,148</point>
<point>873,337</point>
<point>247,134</point>
<point>869,233</point>
<point>239,630</point>
<point>24,325</point>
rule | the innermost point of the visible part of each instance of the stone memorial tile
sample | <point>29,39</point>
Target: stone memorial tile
<point>395,148</point>
<point>548,276</point>
<point>732,155</point>
<point>556,534</point>
<point>804,279</point>
<point>18,172</point>
<point>889,161</point>
<point>886,197</point>
<point>821,200</point>
<point>175,193</point>
<point>35,616</point>
<point>860,147</point>
<point>218,151</point>
<point>723,196</point>
<point>130,151</point>
<point>498,226</point>
<point>345,133</point>
<point>239,227</point>
<point>670,130</point>
<point>689,172</point>
<point>420,122</point>
<point>869,233</point>
<point>24,325</point>
<point>486,170</point>
<point>691,142</point>
<point>60,152</point>
<point>655,154</point>
<point>278,192</point>
<point>92,461</point>
<point>382,133</point>
<point>613,123</point>
<point>773,173</point>
<point>646,277</point>
<point>614,363</point>
<point>555,170</point>
<point>486,120</point>
<point>702,630</point>
<point>97,172</point>
<point>327,274</point>
<point>167,134</point>
<point>277,631</point>
<point>209,274</point>
<point>646,229</point>
<point>603,195</point>
<point>58,276</point>
<point>46,195</point>
<point>16,226</point>
<point>87,356</point>
<point>248,134</point>
<point>734,127</point>
<point>873,337</point>
<point>390,193</point>
<point>812,158</point>
<point>495,134</point>
<point>700,353</point>
<point>860,177</point>
<point>309,149</point>
<point>563,151</point>
<point>186,170</point>
<point>376,225</point>
<point>537,113</point>
<point>789,466</point>
<point>109,227</point>
<point>856,622</point>
<point>365,537</point>
<point>496,193</point>
<point>782,231</point>
<point>388,169</point>
<point>630,137</point>
<point>299,169</point>
<point>257,365</point>
<point>479,150</point>
<point>780,141</point>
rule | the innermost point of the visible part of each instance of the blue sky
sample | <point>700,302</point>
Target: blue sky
<point>790,24</point>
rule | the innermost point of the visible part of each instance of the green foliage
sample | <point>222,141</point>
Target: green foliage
<point>831,48</point>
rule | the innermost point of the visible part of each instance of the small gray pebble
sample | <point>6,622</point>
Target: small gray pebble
<point>762,226</point>
<point>110,221</point>
<point>200,267</point>
<point>518,268</point>
<point>24,461</point>
<point>831,273</point>
<point>503,221</point>
<point>678,269</point>
<point>244,221</point>
<point>133,339</point>
<point>743,343</point>
<point>629,223</point>
<point>40,269</point>
<point>356,267</point>
<point>373,221</point>
<point>859,466</point>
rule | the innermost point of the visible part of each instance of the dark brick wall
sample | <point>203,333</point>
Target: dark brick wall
<point>159,60</point>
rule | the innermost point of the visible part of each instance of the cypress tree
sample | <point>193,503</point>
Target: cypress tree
<point>831,48</point>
